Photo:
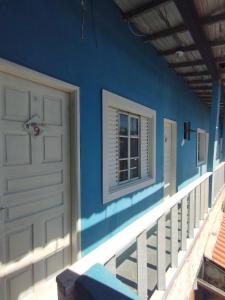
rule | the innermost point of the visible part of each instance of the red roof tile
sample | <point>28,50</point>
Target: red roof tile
<point>219,249</point>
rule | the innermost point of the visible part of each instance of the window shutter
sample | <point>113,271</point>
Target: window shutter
<point>113,146</point>
<point>147,135</point>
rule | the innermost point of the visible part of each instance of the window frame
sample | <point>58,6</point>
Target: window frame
<point>127,106</point>
<point>202,162</point>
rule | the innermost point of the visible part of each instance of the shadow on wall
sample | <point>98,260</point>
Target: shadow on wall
<point>113,221</point>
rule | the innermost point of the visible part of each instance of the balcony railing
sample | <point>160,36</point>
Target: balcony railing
<point>173,224</point>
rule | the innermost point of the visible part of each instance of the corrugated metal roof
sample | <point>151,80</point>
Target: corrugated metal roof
<point>166,16</point>
<point>219,249</point>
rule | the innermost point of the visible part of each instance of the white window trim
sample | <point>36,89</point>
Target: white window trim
<point>112,100</point>
<point>199,163</point>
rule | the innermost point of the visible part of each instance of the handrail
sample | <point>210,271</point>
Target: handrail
<point>103,253</point>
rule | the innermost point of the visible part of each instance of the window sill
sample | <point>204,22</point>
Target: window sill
<point>127,188</point>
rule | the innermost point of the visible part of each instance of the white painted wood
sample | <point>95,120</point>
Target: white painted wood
<point>202,146</point>
<point>19,71</point>
<point>191,214</point>
<point>146,147</point>
<point>206,195</point>
<point>197,205</point>
<point>169,158</point>
<point>111,105</point>
<point>142,272</point>
<point>161,253</point>
<point>125,237</point>
<point>174,237</point>
<point>202,202</point>
<point>184,224</point>
<point>11,68</point>
<point>75,174</point>
<point>35,230</point>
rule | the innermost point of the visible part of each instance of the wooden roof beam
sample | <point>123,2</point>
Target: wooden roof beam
<point>194,73</point>
<point>207,20</point>
<point>193,47</point>
<point>143,9</point>
<point>199,81</point>
<point>190,63</point>
<point>188,12</point>
<point>198,62</point>
<point>201,87</point>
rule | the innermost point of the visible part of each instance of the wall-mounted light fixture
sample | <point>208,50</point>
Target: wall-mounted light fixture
<point>187,130</point>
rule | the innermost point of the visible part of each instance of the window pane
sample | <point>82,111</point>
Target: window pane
<point>123,176</point>
<point>134,147</point>
<point>123,165</point>
<point>134,163</point>
<point>123,147</point>
<point>134,173</point>
<point>123,124</point>
<point>133,126</point>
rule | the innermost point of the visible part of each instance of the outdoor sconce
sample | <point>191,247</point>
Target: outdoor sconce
<point>187,130</point>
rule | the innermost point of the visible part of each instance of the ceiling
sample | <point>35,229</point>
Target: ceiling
<point>189,34</point>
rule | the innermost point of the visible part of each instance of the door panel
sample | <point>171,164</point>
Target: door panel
<point>35,221</point>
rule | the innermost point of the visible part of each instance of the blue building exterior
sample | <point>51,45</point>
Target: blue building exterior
<point>45,36</point>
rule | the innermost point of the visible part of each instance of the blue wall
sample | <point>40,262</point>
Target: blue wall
<point>45,35</point>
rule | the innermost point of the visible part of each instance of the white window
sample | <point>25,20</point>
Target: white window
<point>128,146</point>
<point>202,146</point>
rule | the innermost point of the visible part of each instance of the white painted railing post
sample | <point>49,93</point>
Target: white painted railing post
<point>161,253</point>
<point>202,200</point>
<point>142,271</point>
<point>184,224</point>
<point>206,195</point>
<point>191,215</point>
<point>174,237</point>
<point>197,206</point>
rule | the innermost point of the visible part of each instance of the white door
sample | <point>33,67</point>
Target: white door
<point>35,220</point>
<point>169,158</point>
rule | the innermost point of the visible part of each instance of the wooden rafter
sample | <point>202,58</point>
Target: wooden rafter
<point>188,12</point>
<point>187,63</point>
<point>201,87</point>
<point>199,81</point>
<point>183,27</point>
<point>195,73</point>
<point>195,62</point>
<point>143,9</point>
<point>216,43</point>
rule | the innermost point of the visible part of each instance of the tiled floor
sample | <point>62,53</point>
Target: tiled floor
<point>219,250</point>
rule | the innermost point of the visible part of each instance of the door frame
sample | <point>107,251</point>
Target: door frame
<point>174,152</point>
<point>74,96</point>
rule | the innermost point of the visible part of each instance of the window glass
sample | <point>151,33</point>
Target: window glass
<point>134,143</point>
<point>123,124</point>
<point>123,147</point>
<point>123,165</point>
<point>134,173</point>
<point>123,176</point>
<point>134,163</point>
<point>134,126</point>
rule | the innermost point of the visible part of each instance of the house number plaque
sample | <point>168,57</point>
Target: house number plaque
<point>34,126</point>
